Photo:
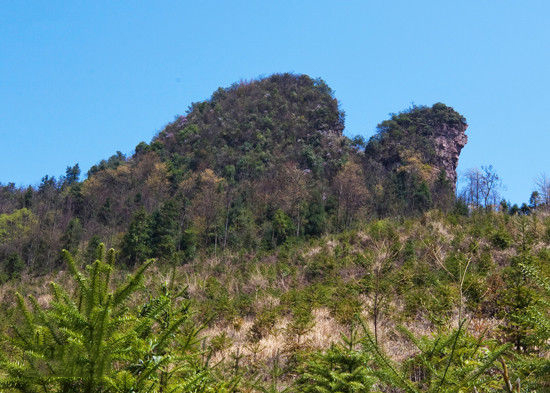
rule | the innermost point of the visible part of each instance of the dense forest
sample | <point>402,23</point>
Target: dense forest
<point>252,247</point>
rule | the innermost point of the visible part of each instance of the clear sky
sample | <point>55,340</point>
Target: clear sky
<point>80,80</point>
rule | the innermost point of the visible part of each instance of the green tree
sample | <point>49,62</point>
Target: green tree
<point>422,198</point>
<point>72,236</point>
<point>535,369</point>
<point>443,192</point>
<point>535,200</point>
<point>519,295</point>
<point>282,226</point>
<point>454,362</point>
<point>12,267</point>
<point>89,341</point>
<point>92,249</point>
<point>164,228</point>
<point>188,243</point>
<point>16,225</point>
<point>343,368</point>
<point>72,174</point>
<point>316,216</point>
<point>136,242</point>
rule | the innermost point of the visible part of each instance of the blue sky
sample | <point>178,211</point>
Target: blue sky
<point>81,80</point>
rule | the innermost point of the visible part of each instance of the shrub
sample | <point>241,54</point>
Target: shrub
<point>501,239</point>
<point>343,368</point>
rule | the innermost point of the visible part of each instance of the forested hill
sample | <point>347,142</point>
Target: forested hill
<point>250,129</point>
<point>257,163</point>
<point>255,248</point>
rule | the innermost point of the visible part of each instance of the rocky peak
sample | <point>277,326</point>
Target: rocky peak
<point>422,141</point>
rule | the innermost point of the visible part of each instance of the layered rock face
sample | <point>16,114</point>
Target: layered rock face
<point>449,141</point>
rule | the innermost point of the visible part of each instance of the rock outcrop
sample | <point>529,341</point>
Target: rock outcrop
<point>449,141</point>
<point>424,141</point>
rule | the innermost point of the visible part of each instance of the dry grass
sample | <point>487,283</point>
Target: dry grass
<point>312,252</point>
<point>324,332</point>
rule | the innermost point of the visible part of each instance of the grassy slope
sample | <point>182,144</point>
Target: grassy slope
<point>303,295</point>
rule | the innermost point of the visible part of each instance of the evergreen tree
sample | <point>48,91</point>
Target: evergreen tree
<point>72,236</point>
<point>282,226</point>
<point>136,242</point>
<point>343,368</point>
<point>188,243</point>
<point>421,196</point>
<point>12,267</point>
<point>72,174</point>
<point>316,217</point>
<point>164,228</point>
<point>443,192</point>
<point>27,198</point>
<point>536,369</point>
<point>92,250</point>
<point>88,341</point>
<point>454,362</point>
<point>519,295</point>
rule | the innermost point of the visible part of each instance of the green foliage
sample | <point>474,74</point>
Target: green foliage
<point>316,217</point>
<point>188,243</point>
<point>136,242</point>
<point>344,367</point>
<point>89,340</point>
<point>419,271</point>
<point>282,226</point>
<point>460,208</point>
<point>112,163</point>
<point>501,239</point>
<point>446,363</point>
<point>16,225</point>
<point>263,324</point>
<point>534,370</point>
<point>72,236</point>
<point>517,298</point>
<point>422,198</point>
<point>92,249</point>
<point>404,154</point>
<point>164,231</point>
<point>12,266</point>
<point>258,123</point>
<point>277,166</point>
<point>245,199</point>
<point>72,174</point>
<point>451,362</point>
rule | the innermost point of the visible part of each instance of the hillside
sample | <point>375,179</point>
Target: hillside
<point>270,316</point>
<point>257,163</point>
<point>259,249</point>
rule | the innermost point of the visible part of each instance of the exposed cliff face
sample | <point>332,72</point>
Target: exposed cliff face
<point>449,141</point>
<point>422,141</point>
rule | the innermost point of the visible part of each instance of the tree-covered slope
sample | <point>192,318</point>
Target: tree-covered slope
<point>247,129</point>
<point>257,163</point>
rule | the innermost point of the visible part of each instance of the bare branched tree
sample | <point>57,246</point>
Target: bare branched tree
<point>542,183</point>
<point>482,187</point>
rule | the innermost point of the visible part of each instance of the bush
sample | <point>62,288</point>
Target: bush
<point>343,368</point>
<point>13,266</point>
<point>263,324</point>
<point>501,239</point>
